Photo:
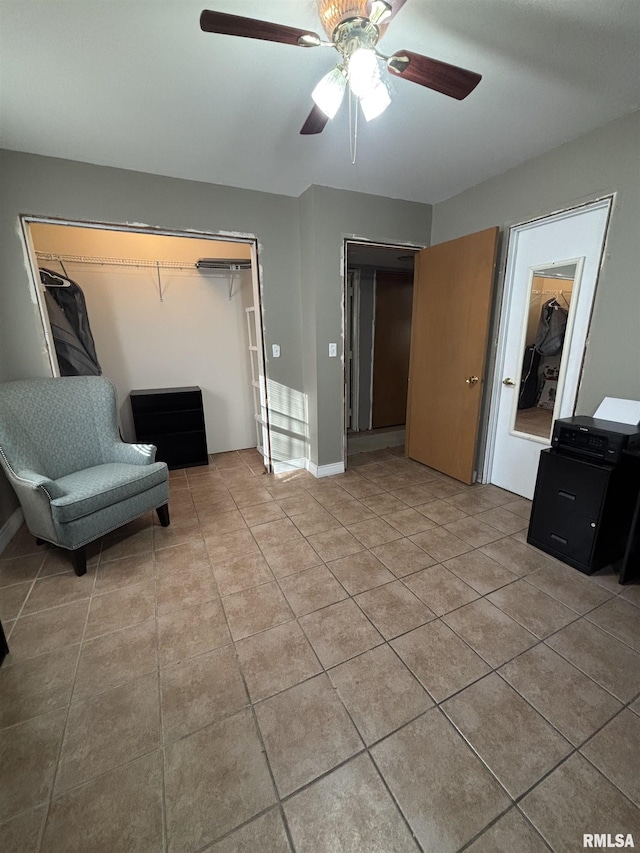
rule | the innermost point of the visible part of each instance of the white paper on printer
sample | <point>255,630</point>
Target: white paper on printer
<point>618,410</point>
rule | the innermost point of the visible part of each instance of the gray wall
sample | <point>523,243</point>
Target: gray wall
<point>337,215</point>
<point>302,301</point>
<point>8,500</point>
<point>78,191</point>
<point>604,161</point>
<point>308,302</point>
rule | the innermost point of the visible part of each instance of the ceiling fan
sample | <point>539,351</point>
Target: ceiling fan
<point>354,27</point>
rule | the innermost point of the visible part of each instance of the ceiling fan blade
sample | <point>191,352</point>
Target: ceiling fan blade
<point>315,123</point>
<point>235,25</point>
<point>439,76</point>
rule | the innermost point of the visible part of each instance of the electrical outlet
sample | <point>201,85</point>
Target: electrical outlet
<point>275,350</point>
<point>333,350</point>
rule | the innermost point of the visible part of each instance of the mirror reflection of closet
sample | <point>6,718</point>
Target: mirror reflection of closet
<point>549,304</point>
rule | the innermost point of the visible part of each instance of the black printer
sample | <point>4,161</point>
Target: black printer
<point>593,438</point>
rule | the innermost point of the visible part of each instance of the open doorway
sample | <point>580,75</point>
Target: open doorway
<point>168,312</point>
<point>378,309</point>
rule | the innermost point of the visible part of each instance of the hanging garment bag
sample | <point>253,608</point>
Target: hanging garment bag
<point>551,328</point>
<point>528,395</point>
<point>67,310</point>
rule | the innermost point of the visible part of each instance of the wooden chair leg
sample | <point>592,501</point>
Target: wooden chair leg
<point>163,514</point>
<point>80,560</point>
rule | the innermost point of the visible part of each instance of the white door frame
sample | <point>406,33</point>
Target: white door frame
<point>36,288</point>
<point>373,346</point>
<point>507,298</point>
<point>352,371</point>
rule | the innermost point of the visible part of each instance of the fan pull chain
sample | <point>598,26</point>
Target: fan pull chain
<point>353,127</point>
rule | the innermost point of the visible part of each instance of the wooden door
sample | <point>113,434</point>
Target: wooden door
<point>452,295</point>
<point>391,349</point>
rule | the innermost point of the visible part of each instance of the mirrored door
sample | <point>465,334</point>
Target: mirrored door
<point>551,291</point>
<point>543,331</point>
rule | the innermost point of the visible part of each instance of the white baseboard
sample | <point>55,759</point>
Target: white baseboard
<point>10,528</point>
<point>289,465</point>
<point>325,470</point>
<point>302,464</point>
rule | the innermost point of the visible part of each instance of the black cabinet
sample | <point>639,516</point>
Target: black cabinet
<point>630,569</point>
<point>582,510</point>
<point>173,420</point>
<point>4,648</point>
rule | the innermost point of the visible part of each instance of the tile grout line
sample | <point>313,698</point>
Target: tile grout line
<point>163,792</point>
<point>573,751</point>
<point>512,807</point>
<point>66,722</point>
<point>263,747</point>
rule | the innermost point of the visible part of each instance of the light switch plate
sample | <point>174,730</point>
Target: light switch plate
<point>275,349</point>
<point>333,350</point>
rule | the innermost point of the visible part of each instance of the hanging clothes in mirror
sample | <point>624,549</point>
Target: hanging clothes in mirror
<point>67,310</point>
<point>551,328</point>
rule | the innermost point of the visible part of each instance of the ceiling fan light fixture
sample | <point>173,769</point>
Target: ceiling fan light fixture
<point>375,101</point>
<point>329,92</point>
<point>380,11</point>
<point>354,28</point>
<point>333,12</point>
<point>364,74</point>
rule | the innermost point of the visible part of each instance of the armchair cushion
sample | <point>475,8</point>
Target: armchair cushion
<point>91,489</point>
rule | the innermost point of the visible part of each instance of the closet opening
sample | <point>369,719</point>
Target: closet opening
<point>378,309</point>
<point>173,319</point>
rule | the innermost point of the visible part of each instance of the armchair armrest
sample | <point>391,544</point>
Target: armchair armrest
<point>38,481</point>
<point>133,454</point>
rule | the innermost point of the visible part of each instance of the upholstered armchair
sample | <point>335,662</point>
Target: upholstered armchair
<point>74,477</point>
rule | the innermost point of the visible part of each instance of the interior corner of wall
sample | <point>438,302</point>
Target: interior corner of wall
<point>10,527</point>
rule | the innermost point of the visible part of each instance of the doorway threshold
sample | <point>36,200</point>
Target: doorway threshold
<point>375,439</point>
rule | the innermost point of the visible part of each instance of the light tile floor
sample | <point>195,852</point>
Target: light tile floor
<point>374,662</point>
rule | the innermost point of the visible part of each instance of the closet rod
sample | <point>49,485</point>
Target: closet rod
<point>155,265</point>
<point>116,262</point>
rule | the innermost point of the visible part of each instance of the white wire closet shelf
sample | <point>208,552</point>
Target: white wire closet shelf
<point>222,263</point>
<point>212,267</point>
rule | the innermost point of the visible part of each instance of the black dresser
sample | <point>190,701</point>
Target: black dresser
<point>173,420</point>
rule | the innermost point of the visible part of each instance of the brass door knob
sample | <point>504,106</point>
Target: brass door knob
<point>472,380</point>
<point>508,381</point>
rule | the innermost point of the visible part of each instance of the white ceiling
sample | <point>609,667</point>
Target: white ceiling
<point>136,84</point>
